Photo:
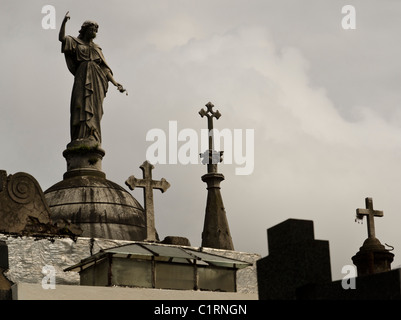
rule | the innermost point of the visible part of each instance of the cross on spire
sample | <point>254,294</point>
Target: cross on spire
<point>216,233</point>
<point>148,185</point>
<point>210,156</point>
<point>370,214</point>
<point>210,114</point>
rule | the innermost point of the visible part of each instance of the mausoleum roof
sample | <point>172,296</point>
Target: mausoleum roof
<point>160,252</point>
<point>100,207</point>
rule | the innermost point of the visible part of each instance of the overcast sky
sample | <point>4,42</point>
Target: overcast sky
<point>323,101</point>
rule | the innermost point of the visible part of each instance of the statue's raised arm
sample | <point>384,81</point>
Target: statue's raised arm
<point>61,35</point>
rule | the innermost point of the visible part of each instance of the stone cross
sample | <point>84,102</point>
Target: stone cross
<point>210,156</point>
<point>210,114</point>
<point>370,214</point>
<point>148,185</point>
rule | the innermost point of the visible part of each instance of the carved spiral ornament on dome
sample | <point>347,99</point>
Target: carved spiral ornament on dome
<point>21,188</point>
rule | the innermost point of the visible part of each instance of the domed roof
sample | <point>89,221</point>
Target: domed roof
<point>101,208</point>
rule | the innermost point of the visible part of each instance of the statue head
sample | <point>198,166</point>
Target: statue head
<point>88,29</point>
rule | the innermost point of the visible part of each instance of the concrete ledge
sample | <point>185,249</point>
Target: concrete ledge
<point>29,291</point>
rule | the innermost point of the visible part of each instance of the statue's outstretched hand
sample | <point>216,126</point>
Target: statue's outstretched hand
<point>121,89</point>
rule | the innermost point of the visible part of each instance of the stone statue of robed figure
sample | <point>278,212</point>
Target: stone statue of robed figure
<point>91,72</point>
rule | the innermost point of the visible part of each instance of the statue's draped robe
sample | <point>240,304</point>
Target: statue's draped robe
<point>86,62</point>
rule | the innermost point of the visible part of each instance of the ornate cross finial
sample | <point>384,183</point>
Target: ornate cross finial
<point>370,214</point>
<point>210,114</point>
<point>211,156</point>
<point>148,185</point>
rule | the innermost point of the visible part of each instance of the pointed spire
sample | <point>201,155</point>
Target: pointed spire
<point>216,232</point>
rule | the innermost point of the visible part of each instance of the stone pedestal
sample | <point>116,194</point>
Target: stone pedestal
<point>84,157</point>
<point>216,232</point>
<point>372,258</point>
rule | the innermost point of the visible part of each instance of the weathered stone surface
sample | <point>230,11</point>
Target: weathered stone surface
<point>28,255</point>
<point>180,241</point>
<point>21,202</point>
<point>247,277</point>
<point>82,156</point>
<point>101,208</point>
<point>216,232</point>
<point>148,184</point>
<point>24,210</point>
